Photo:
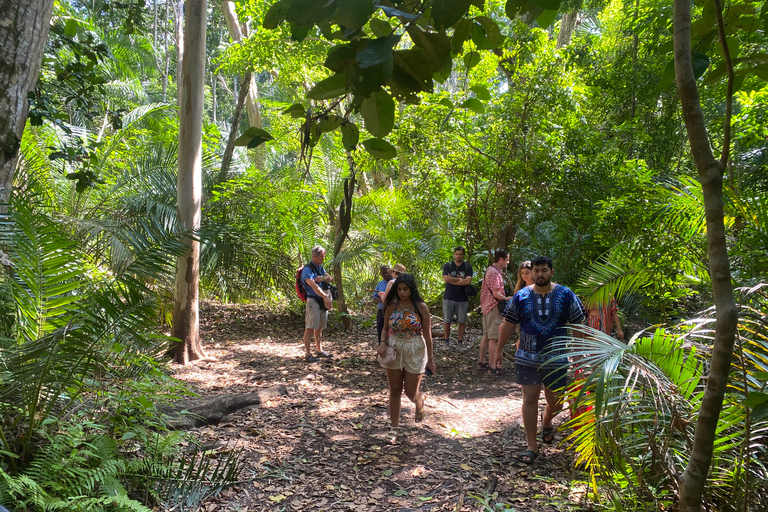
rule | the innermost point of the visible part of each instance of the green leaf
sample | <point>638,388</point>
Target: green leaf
<point>388,472</point>
<point>546,18</point>
<point>253,137</point>
<point>446,102</point>
<point>436,45</point>
<point>391,12</point>
<point>296,111</point>
<point>413,70</point>
<point>401,492</point>
<point>330,123</point>
<point>70,29</point>
<point>377,51</point>
<point>276,14</point>
<point>474,105</point>
<point>340,58</point>
<point>754,399</point>
<point>550,5</point>
<point>299,32</point>
<point>310,12</point>
<point>461,32</point>
<point>478,36</point>
<point>350,136</point>
<point>447,12</point>
<point>480,4</point>
<point>481,92</point>
<point>471,59</point>
<point>514,7</point>
<point>760,412</point>
<point>492,32</point>
<point>353,14</point>
<point>331,87</point>
<point>380,28</point>
<point>700,63</point>
<point>379,148</point>
<point>378,111</point>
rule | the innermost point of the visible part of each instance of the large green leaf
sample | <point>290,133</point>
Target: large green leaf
<point>436,45</point>
<point>310,12</point>
<point>380,28</point>
<point>379,148</point>
<point>331,87</point>
<point>472,59</point>
<point>474,105</point>
<point>550,5</point>
<point>341,57</point>
<point>377,51</point>
<point>481,92</point>
<point>413,70</point>
<point>514,7</point>
<point>350,136</point>
<point>494,38</point>
<point>330,123</point>
<point>253,137</point>
<point>546,18</point>
<point>700,63</point>
<point>276,14</point>
<point>296,111</point>
<point>461,32</point>
<point>353,14</point>
<point>378,111</point>
<point>447,12</point>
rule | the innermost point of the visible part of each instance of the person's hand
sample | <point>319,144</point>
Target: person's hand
<point>328,303</point>
<point>319,279</point>
<point>619,334</point>
<point>431,365</point>
<point>382,348</point>
<point>329,278</point>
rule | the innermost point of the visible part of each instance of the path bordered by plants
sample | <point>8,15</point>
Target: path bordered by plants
<point>325,446</point>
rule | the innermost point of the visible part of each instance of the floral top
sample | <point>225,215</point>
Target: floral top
<point>404,323</point>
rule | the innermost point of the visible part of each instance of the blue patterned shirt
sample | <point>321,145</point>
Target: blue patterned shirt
<point>542,318</point>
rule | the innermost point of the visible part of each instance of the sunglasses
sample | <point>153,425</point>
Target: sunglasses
<point>396,272</point>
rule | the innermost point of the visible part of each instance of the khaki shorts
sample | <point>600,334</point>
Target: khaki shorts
<point>411,354</point>
<point>314,318</point>
<point>453,308</point>
<point>491,324</point>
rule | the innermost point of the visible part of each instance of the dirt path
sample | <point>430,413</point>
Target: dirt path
<point>326,445</point>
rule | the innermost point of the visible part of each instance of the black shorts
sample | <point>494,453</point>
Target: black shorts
<point>551,377</point>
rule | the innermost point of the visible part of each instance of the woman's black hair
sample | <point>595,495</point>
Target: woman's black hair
<point>411,282</point>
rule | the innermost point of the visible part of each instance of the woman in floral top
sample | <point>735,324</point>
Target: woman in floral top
<point>408,327</point>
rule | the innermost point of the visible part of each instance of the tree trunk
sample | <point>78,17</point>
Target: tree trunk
<point>226,159</point>
<point>189,184</point>
<point>213,97</point>
<point>154,24</point>
<point>178,9</point>
<point>252,105</point>
<point>343,224</point>
<point>167,56</point>
<point>711,175</point>
<point>23,32</point>
<point>567,26</point>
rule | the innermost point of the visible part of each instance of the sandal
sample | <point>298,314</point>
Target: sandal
<point>482,365</point>
<point>547,433</point>
<point>528,457</point>
<point>420,413</point>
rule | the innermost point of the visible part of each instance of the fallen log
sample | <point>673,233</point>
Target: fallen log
<point>202,411</point>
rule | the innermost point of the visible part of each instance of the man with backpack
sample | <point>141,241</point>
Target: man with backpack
<point>318,303</point>
<point>457,275</point>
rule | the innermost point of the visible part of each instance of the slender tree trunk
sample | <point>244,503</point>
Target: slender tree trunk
<point>189,184</point>
<point>343,224</point>
<point>226,159</point>
<point>213,96</point>
<point>154,24</point>
<point>711,176</point>
<point>167,56</point>
<point>23,32</point>
<point>253,108</point>
<point>567,26</point>
<point>180,45</point>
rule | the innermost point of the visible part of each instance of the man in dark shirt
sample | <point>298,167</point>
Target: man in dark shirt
<point>542,311</point>
<point>457,274</point>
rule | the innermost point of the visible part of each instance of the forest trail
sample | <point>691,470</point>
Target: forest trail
<point>325,446</point>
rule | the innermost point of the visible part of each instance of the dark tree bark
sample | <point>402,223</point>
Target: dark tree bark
<point>711,176</point>
<point>24,29</point>
<point>186,322</point>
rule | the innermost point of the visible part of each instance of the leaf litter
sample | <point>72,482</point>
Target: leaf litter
<point>327,445</point>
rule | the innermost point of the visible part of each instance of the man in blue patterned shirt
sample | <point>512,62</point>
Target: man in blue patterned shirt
<point>542,310</point>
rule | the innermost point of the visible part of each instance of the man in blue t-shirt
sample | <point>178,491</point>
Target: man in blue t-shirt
<point>378,298</point>
<point>318,304</point>
<point>543,310</point>
<point>457,274</point>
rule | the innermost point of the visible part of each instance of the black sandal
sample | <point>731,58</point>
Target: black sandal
<point>528,457</point>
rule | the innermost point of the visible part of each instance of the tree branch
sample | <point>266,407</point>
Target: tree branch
<point>729,92</point>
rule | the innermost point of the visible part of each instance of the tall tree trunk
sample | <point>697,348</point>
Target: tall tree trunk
<point>180,46</point>
<point>189,184</point>
<point>711,176</point>
<point>154,24</point>
<point>167,56</point>
<point>253,108</point>
<point>567,26</point>
<point>23,32</point>
<point>343,224</point>
<point>226,159</point>
<point>213,97</point>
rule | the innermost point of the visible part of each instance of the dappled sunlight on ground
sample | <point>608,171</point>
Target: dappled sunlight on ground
<point>327,445</point>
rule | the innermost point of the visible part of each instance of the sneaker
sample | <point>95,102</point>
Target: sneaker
<point>462,346</point>
<point>323,353</point>
<point>311,359</point>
